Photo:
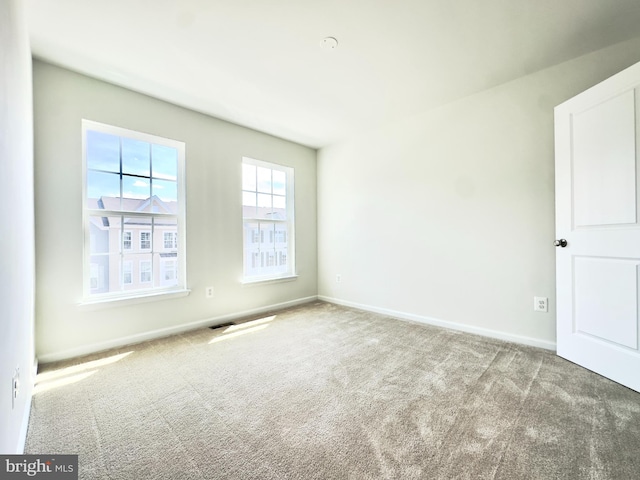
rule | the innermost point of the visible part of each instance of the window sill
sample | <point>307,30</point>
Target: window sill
<point>109,302</point>
<point>256,281</point>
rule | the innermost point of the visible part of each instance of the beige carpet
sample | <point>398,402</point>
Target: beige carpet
<point>326,392</point>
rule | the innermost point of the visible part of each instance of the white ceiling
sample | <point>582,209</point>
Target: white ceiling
<point>259,63</point>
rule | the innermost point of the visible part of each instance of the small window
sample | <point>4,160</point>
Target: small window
<point>145,240</point>
<point>145,271</point>
<point>170,240</point>
<point>134,211</point>
<point>126,240</point>
<point>268,217</point>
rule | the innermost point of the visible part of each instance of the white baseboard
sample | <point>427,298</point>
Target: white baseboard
<point>165,332</point>
<point>485,332</point>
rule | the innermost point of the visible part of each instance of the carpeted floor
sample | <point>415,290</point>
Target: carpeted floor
<point>327,392</point>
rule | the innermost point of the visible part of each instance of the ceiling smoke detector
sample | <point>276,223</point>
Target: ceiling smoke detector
<point>329,43</point>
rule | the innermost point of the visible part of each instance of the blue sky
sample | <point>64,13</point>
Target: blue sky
<point>103,168</point>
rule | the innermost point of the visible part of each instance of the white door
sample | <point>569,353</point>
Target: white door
<point>597,213</point>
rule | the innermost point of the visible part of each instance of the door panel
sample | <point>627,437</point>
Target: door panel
<point>597,274</point>
<point>607,289</point>
<point>604,163</point>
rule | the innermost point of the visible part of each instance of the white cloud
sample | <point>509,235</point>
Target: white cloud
<point>140,183</point>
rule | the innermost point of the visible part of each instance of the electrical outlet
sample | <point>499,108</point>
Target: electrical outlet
<point>209,292</point>
<point>338,278</point>
<point>540,304</point>
<point>15,387</point>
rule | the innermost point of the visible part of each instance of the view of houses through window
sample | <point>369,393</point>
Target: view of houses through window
<point>267,208</point>
<point>133,211</point>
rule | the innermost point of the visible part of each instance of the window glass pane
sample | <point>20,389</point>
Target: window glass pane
<point>103,151</point>
<point>249,199</point>
<point>164,162</point>
<point>115,234</point>
<point>134,188</point>
<point>264,209</point>
<point>264,201</point>
<point>100,279</point>
<point>137,225</point>
<point>279,182</point>
<point>135,157</point>
<point>281,236</point>
<point>166,270</point>
<point>249,203</point>
<point>251,248</point>
<point>281,255</point>
<point>264,179</point>
<point>100,234</point>
<point>279,201</point>
<point>252,234</point>
<point>131,273</point>
<point>279,207</point>
<point>102,185</point>
<point>133,226</point>
<point>105,270</point>
<point>127,273</point>
<point>166,191</point>
<point>266,235</point>
<point>249,177</point>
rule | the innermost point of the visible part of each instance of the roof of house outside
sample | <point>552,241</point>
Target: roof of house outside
<point>145,205</point>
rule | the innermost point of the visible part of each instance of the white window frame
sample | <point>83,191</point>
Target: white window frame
<point>149,291</point>
<point>290,228</point>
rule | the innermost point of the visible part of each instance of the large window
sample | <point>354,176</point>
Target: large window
<point>267,211</point>
<point>133,204</point>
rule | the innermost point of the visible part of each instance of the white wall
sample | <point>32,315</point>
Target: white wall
<point>16,218</point>
<point>448,216</point>
<point>214,151</point>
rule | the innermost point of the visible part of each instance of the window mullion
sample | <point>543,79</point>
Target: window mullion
<point>121,177</point>
<point>151,177</point>
<point>121,249</point>
<point>153,247</point>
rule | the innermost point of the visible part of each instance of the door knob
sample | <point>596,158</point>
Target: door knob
<point>560,243</point>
